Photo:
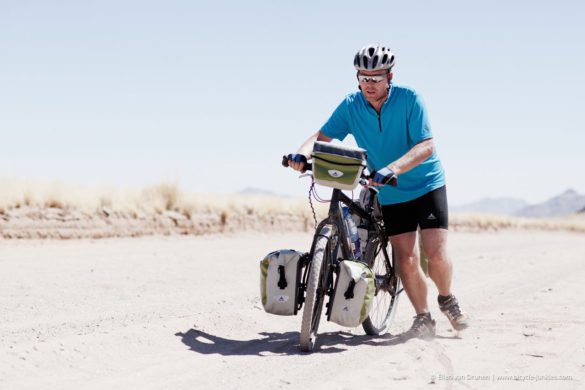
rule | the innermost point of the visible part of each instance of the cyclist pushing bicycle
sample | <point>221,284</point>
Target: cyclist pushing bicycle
<point>391,123</point>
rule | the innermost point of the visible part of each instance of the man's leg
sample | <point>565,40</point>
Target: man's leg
<point>401,225</point>
<point>434,242</point>
<point>404,246</point>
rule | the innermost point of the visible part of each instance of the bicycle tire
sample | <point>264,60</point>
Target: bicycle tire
<point>388,287</point>
<point>314,296</point>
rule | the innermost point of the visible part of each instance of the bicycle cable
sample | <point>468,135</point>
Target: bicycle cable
<point>311,192</point>
<point>318,198</point>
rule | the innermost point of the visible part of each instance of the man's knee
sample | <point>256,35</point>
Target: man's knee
<point>408,264</point>
<point>436,256</point>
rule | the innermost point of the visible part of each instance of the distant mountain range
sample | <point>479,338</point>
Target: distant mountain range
<point>569,202</point>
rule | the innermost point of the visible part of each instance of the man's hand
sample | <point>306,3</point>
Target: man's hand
<point>382,177</point>
<point>297,162</point>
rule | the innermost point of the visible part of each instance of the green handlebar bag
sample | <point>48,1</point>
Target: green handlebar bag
<point>337,166</point>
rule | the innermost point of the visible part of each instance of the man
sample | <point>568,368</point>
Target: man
<point>390,122</point>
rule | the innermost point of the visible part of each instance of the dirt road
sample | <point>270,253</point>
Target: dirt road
<point>184,313</point>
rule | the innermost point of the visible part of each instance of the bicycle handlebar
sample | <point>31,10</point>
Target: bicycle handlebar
<point>309,167</point>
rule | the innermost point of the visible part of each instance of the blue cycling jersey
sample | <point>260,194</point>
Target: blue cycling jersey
<point>402,123</point>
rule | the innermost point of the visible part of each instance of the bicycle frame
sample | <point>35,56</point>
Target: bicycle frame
<point>335,219</point>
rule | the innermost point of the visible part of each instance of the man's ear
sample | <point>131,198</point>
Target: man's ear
<point>390,77</point>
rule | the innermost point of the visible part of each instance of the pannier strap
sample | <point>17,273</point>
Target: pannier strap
<point>282,280</point>
<point>349,293</point>
<point>338,163</point>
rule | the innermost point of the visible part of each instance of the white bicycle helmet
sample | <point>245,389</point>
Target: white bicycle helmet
<point>374,57</point>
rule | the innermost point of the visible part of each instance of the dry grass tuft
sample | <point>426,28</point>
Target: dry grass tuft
<point>162,197</point>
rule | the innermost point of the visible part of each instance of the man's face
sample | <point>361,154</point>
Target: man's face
<point>374,88</point>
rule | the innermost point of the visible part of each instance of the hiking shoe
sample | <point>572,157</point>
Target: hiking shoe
<point>450,307</point>
<point>423,327</point>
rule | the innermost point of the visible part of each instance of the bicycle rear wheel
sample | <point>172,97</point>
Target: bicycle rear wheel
<point>315,295</point>
<point>388,287</point>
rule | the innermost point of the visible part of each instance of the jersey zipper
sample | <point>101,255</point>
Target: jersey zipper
<point>379,122</point>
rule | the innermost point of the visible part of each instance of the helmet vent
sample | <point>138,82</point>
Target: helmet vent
<point>374,57</point>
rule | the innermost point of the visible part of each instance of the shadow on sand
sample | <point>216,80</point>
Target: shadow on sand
<point>280,343</point>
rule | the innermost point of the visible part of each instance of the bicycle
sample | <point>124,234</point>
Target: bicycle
<point>330,245</point>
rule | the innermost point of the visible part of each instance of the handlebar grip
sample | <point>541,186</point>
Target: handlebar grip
<point>285,161</point>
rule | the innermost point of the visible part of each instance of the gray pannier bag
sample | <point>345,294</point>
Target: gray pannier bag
<point>280,273</point>
<point>353,295</point>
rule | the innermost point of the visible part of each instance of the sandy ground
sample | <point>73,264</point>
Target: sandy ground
<point>184,313</point>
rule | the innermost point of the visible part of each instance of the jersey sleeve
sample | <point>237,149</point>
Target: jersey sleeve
<point>419,128</point>
<point>337,126</point>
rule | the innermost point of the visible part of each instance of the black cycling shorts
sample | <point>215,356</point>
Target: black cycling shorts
<point>429,211</point>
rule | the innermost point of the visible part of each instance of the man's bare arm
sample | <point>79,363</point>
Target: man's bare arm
<point>307,148</point>
<point>419,153</point>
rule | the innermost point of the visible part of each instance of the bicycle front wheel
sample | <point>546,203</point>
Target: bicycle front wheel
<point>388,287</point>
<point>316,289</point>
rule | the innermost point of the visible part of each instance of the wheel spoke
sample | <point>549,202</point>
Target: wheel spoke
<point>385,302</point>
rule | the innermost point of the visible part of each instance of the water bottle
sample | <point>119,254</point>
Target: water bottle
<point>363,235</point>
<point>353,233</point>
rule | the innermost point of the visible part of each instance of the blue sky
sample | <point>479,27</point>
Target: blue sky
<point>211,94</point>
